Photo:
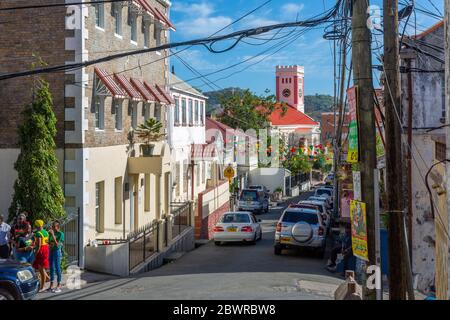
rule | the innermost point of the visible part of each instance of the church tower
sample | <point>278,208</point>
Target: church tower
<point>291,86</point>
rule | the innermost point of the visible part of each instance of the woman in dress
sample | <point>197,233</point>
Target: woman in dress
<point>41,262</point>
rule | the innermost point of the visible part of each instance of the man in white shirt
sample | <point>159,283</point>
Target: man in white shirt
<point>4,238</point>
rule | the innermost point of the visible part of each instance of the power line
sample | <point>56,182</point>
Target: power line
<point>206,42</point>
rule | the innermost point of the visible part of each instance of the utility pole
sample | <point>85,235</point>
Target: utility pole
<point>340,120</point>
<point>362,78</point>
<point>447,98</point>
<point>394,165</point>
<point>341,117</point>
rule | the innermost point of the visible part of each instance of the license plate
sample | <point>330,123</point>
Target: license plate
<point>249,202</point>
<point>285,239</point>
<point>232,229</point>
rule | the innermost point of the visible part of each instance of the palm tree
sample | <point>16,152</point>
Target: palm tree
<point>150,131</point>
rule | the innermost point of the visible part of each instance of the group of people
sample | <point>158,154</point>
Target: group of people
<point>40,247</point>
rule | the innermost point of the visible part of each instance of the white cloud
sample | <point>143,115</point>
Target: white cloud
<point>292,8</point>
<point>194,9</point>
<point>202,26</point>
<point>199,21</point>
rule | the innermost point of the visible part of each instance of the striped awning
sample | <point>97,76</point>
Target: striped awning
<point>109,82</point>
<point>139,85</point>
<point>203,151</point>
<point>156,13</point>
<point>164,18</point>
<point>165,94</point>
<point>159,97</point>
<point>128,87</point>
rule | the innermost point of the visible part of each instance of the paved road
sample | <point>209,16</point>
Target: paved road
<point>232,271</point>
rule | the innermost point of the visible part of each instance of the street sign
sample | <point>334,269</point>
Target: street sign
<point>229,173</point>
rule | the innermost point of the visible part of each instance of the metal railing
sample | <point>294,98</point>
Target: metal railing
<point>181,219</point>
<point>143,243</point>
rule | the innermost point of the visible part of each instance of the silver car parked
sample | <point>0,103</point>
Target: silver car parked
<point>253,201</point>
<point>300,227</point>
<point>237,227</point>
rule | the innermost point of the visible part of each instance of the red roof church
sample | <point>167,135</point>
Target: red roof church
<point>298,128</point>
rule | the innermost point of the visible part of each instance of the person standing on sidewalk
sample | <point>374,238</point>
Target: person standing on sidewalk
<point>56,241</point>
<point>41,252</point>
<point>4,238</point>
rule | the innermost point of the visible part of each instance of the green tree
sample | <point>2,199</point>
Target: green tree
<point>297,162</point>
<point>37,189</point>
<point>245,110</point>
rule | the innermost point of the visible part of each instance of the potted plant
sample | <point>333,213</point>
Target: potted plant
<point>150,131</point>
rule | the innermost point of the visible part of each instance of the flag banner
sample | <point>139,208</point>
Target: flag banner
<point>353,142</point>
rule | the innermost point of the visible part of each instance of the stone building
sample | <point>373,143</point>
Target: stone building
<point>102,169</point>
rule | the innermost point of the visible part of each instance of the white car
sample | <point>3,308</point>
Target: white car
<point>323,192</point>
<point>237,227</point>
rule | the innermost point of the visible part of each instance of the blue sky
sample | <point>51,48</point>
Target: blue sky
<point>201,18</point>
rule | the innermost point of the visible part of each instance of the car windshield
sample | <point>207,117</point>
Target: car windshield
<point>316,205</point>
<point>323,192</point>
<point>298,216</point>
<point>249,195</point>
<point>235,218</point>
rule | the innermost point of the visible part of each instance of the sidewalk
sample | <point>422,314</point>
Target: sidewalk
<point>85,277</point>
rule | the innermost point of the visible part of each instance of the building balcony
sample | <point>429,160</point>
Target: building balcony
<point>157,163</point>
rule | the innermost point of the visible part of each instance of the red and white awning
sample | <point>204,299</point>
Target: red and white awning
<point>156,13</point>
<point>128,87</point>
<point>108,80</point>
<point>159,97</point>
<point>166,95</point>
<point>139,85</point>
<point>203,151</point>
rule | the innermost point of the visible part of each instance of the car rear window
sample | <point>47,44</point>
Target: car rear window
<point>298,216</point>
<point>249,195</point>
<point>324,191</point>
<point>235,218</point>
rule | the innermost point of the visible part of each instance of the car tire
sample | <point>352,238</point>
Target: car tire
<point>277,250</point>
<point>217,243</point>
<point>6,295</point>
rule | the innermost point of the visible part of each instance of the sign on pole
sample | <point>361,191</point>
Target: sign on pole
<point>357,185</point>
<point>353,142</point>
<point>229,173</point>
<point>359,229</point>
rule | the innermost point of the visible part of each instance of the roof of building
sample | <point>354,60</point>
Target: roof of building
<point>430,30</point>
<point>292,117</point>
<point>212,124</point>
<point>178,84</point>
